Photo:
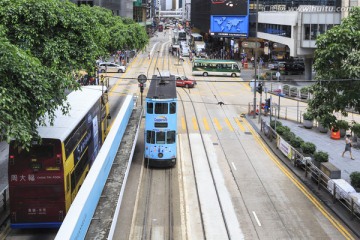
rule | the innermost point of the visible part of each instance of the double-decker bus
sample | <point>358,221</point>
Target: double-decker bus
<point>161,122</point>
<point>215,67</point>
<point>44,180</point>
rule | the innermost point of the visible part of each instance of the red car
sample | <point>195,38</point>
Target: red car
<point>182,81</point>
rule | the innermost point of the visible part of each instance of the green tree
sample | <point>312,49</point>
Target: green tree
<point>337,57</point>
<point>28,90</point>
<point>42,44</point>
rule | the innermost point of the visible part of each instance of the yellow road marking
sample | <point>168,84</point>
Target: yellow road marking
<point>229,124</point>
<point>206,124</point>
<point>299,185</point>
<point>217,124</point>
<point>183,124</point>
<point>196,127</point>
<point>239,124</point>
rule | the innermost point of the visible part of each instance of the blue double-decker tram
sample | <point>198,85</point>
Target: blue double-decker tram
<point>161,122</point>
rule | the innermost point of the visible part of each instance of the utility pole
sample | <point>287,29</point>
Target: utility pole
<point>256,44</point>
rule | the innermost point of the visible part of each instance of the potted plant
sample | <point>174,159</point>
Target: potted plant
<point>308,148</point>
<point>355,128</point>
<point>355,180</point>
<point>343,126</point>
<point>293,92</point>
<point>286,90</point>
<point>308,120</point>
<point>322,126</point>
<point>288,135</point>
<point>321,156</point>
<point>272,123</point>
<point>296,142</point>
<point>304,92</point>
<point>335,132</point>
<point>281,129</point>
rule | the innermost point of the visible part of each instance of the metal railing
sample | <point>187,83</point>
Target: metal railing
<point>311,170</point>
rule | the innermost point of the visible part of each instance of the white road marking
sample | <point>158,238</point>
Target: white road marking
<point>256,218</point>
<point>233,165</point>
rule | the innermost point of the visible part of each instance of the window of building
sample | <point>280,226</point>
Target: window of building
<point>321,28</point>
<point>313,31</point>
<point>307,31</point>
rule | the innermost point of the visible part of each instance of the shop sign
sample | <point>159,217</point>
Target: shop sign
<point>250,44</point>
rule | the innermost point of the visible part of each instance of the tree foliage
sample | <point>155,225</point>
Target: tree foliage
<point>42,44</point>
<point>337,65</point>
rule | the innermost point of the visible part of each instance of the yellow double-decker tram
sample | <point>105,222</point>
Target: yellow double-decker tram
<point>44,180</point>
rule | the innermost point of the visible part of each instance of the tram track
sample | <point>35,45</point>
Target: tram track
<point>220,215</point>
<point>154,217</point>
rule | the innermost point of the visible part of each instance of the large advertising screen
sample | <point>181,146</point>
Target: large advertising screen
<point>229,7</point>
<point>229,26</point>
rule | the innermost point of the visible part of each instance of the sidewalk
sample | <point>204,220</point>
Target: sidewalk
<point>324,143</point>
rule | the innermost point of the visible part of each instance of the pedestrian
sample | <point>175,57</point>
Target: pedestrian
<point>348,145</point>
<point>149,55</point>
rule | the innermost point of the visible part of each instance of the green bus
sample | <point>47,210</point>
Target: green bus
<point>216,67</point>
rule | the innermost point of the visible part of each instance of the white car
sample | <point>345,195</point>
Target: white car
<point>111,67</point>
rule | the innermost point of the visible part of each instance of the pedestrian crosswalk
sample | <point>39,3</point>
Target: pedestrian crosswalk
<point>207,124</point>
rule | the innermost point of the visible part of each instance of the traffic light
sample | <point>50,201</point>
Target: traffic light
<point>259,88</point>
<point>141,85</point>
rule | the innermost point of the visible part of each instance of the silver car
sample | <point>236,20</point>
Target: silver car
<point>111,67</point>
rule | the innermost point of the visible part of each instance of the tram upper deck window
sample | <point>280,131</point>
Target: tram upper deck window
<point>161,108</point>
<point>172,107</point>
<point>170,137</point>
<point>160,137</point>
<point>150,107</point>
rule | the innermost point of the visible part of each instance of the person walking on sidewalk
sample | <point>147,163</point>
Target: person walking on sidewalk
<point>348,145</point>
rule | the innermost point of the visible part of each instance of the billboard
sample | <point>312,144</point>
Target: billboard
<point>229,26</point>
<point>229,7</point>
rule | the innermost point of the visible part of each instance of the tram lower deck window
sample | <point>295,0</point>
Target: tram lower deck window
<point>150,137</point>
<point>170,137</point>
<point>160,137</point>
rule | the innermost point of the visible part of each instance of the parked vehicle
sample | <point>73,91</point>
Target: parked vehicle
<point>274,65</point>
<point>111,67</point>
<point>292,68</point>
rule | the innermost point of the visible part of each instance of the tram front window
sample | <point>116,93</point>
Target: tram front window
<point>172,107</point>
<point>160,137</point>
<point>161,108</point>
<point>150,108</point>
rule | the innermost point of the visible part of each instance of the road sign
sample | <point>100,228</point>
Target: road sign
<point>142,78</point>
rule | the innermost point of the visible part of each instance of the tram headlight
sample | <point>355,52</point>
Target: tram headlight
<point>160,155</point>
